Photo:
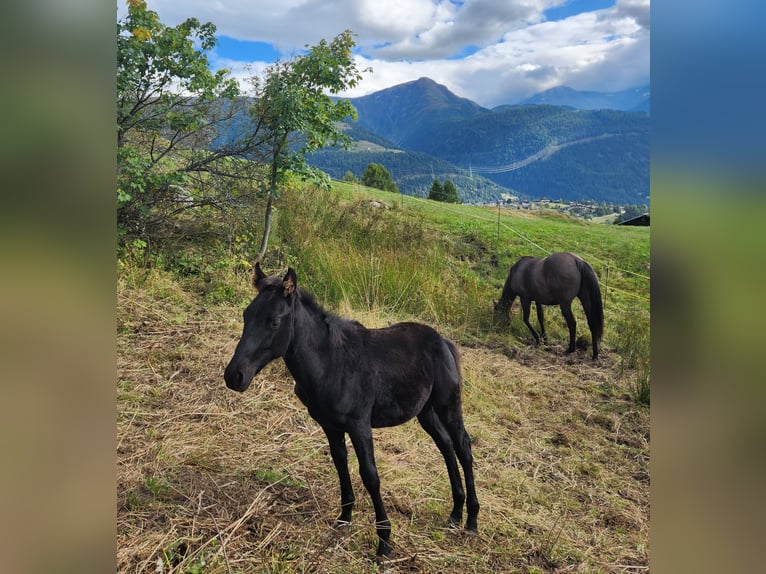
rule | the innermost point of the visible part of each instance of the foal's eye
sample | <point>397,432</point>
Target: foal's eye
<point>275,323</point>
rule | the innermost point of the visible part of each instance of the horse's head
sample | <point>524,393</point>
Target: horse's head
<point>500,312</point>
<point>268,328</point>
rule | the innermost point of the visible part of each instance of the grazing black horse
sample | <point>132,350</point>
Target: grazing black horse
<point>352,379</point>
<point>554,280</point>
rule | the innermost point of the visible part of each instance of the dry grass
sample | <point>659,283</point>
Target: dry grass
<point>214,481</point>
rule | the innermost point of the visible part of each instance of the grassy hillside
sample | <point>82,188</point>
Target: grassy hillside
<point>214,481</point>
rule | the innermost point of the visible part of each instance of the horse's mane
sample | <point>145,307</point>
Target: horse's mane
<point>338,326</point>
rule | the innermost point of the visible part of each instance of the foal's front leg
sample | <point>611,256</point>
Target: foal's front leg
<point>337,440</point>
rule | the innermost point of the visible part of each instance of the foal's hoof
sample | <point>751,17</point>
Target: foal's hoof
<point>383,552</point>
<point>384,564</point>
<point>342,524</point>
<point>383,559</point>
<point>570,350</point>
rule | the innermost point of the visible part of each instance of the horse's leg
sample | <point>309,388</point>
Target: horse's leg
<point>337,440</point>
<point>541,320</point>
<point>566,310</point>
<point>361,438</point>
<point>430,422</point>
<point>451,417</point>
<point>526,305</point>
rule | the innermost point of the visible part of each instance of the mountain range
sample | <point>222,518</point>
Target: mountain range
<point>560,144</point>
<point>632,100</point>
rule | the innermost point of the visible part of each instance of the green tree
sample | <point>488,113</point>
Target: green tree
<point>350,177</point>
<point>601,209</point>
<point>450,192</point>
<point>377,176</point>
<point>167,100</point>
<point>172,111</point>
<point>295,114</point>
<point>437,191</point>
<point>446,192</point>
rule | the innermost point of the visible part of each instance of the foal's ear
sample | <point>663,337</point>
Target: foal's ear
<point>290,281</point>
<point>258,276</point>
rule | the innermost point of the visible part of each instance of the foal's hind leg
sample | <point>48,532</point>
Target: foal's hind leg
<point>566,310</point>
<point>451,417</point>
<point>430,422</point>
<point>361,438</point>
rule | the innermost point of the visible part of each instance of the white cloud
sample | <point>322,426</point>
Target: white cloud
<point>393,19</point>
<point>638,10</point>
<point>475,23</point>
<point>515,52</point>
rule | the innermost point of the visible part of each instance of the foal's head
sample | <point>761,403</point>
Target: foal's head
<point>267,331</point>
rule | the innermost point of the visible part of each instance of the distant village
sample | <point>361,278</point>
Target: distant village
<point>589,210</point>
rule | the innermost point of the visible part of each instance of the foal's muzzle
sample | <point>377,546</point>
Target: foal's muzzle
<point>235,379</point>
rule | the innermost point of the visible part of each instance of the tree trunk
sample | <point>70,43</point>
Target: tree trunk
<point>266,231</point>
<point>267,217</point>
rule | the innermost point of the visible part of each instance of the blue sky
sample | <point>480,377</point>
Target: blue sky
<point>493,52</point>
<point>245,50</point>
<point>573,7</point>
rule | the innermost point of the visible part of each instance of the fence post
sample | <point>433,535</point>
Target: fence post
<point>497,233</point>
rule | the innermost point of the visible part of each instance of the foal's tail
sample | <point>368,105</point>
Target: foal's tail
<point>456,358</point>
<point>448,382</point>
<point>590,296</point>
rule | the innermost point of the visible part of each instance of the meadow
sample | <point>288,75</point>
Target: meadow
<point>214,481</point>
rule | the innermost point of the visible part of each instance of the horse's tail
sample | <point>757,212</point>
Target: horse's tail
<point>590,296</point>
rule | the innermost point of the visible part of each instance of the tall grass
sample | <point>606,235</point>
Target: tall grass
<point>379,259</point>
<point>632,345</point>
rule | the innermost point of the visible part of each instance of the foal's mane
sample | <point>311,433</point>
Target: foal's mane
<point>339,327</point>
